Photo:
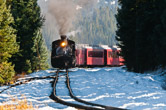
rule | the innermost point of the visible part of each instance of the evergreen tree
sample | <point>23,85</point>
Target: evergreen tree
<point>41,54</point>
<point>8,45</point>
<point>126,19</point>
<point>97,28</point>
<point>1,1</point>
<point>160,30</point>
<point>27,22</point>
<point>141,33</point>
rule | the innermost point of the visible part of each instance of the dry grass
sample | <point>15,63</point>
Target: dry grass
<point>16,77</point>
<point>21,75</point>
<point>22,104</point>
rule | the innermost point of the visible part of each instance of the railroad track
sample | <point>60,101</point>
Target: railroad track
<point>26,80</point>
<point>89,105</point>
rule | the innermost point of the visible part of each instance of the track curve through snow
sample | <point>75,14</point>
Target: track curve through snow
<point>107,86</point>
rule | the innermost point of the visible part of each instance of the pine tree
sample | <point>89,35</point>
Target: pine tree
<point>40,56</point>
<point>145,57</point>
<point>141,33</point>
<point>97,28</point>
<point>156,32</point>
<point>161,31</point>
<point>8,45</point>
<point>126,32</point>
<point>27,22</point>
<point>1,1</point>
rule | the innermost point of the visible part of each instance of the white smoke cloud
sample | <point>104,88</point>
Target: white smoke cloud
<point>62,14</point>
<point>65,12</point>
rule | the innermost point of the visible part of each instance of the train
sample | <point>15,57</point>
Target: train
<point>98,55</point>
<point>63,53</point>
<point>66,54</point>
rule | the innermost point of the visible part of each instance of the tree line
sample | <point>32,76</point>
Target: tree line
<point>96,27</point>
<point>142,34</point>
<point>99,27</point>
<point>22,47</point>
<point>141,31</point>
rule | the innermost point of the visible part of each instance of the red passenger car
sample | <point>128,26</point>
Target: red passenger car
<point>100,55</point>
<point>113,57</point>
<point>121,60</point>
<point>95,57</point>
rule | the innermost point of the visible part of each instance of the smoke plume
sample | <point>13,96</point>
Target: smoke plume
<point>65,12</point>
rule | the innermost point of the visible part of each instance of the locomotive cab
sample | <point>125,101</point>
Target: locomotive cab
<point>63,53</point>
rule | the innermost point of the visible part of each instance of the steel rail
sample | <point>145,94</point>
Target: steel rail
<point>61,101</point>
<point>93,106</point>
<point>24,81</point>
<point>86,102</point>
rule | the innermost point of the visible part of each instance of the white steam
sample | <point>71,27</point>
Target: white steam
<point>65,11</point>
<point>62,14</point>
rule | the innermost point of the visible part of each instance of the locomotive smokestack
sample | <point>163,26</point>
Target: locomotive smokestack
<point>63,37</point>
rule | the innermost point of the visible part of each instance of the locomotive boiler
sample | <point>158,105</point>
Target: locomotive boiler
<point>63,53</point>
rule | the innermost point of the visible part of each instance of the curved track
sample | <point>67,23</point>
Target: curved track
<point>93,106</point>
<point>24,81</point>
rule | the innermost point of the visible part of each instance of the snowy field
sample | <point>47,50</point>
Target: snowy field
<point>112,86</point>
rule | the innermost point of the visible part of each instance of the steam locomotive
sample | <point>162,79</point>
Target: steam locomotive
<point>63,53</point>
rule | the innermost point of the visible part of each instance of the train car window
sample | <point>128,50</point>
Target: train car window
<point>98,54</point>
<point>113,54</point>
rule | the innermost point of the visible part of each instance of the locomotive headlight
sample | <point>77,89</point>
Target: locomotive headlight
<point>63,44</point>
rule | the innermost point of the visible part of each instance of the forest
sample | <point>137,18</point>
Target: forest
<point>22,47</point>
<point>90,26</point>
<point>137,27</point>
<point>142,34</point>
<point>97,28</point>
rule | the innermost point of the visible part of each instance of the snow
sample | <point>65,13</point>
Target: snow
<point>111,86</point>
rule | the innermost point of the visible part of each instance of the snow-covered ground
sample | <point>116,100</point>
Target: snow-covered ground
<point>112,86</point>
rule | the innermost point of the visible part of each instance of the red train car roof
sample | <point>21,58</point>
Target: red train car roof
<point>87,46</point>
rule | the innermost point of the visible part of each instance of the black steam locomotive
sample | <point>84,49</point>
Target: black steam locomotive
<point>63,53</point>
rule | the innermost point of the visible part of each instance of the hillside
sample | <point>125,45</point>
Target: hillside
<point>95,27</point>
